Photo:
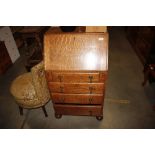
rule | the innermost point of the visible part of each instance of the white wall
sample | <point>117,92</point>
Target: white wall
<point>7,37</point>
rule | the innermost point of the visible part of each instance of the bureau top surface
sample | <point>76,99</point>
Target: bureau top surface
<point>76,51</point>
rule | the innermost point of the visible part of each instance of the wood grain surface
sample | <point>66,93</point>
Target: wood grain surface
<point>76,51</point>
<point>78,98</point>
<point>76,66</point>
<point>76,88</point>
<point>96,29</point>
<point>78,110</point>
<point>71,77</point>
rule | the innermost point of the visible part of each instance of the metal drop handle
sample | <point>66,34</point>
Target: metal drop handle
<point>91,89</point>
<point>90,100</point>
<point>60,78</point>
<point>90,78</point>
<point>61,89</point>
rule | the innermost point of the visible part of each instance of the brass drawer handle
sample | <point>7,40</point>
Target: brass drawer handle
<point>90,100</point>
<point>60,78</point>
<point>61,89</point>
<point>91,89</point>
<point>90,78</point>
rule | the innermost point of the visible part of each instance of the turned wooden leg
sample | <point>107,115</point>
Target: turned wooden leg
<point>99,118</point>
<point>44,110</point>
<point>20,110</point>
<point>58,116</point>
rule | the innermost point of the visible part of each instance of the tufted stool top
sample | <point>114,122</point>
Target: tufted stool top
<point>22,87</point>
<point>30,89</point>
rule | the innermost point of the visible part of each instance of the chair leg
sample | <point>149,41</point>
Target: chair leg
<point>20,110</point>
<point>44,110</point>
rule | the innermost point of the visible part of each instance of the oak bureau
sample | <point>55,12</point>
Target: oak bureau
<point>76,66</point>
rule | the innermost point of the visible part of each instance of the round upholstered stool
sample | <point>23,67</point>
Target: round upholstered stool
<point>30,89</point>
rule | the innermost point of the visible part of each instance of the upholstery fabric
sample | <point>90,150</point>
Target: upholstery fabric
<point>30,89</point>
<point>22,87</point>
<point>40,83</point>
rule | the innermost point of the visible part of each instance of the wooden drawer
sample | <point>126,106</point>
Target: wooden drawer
<point>76,88</point>
<point>78,110</point>
<point>75,77</point>
<point>78,98</point>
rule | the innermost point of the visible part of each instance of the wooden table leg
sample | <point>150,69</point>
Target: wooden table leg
<point>44,110</point>
<point>21,110</point>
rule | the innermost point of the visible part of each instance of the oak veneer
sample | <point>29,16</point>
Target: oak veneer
<point>78,110</point>
<point>77,98</point>
<point>96,28</point>
<point>76,66</point>
<point>76,88</point>
<point>76,51</point>
<point>71,77</point>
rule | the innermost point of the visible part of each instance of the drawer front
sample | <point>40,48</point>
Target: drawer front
<point>78,110</point>
<point>82,88</point>
<point>77,99</point>
<point>75,77</point>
